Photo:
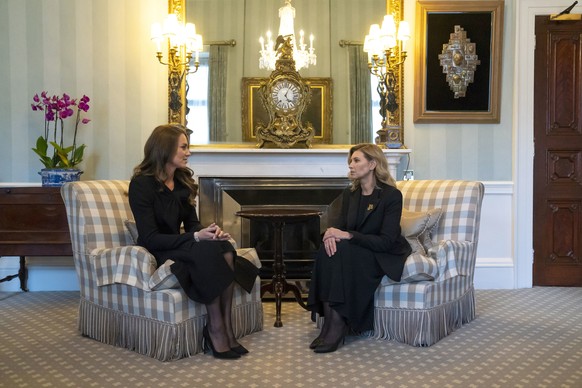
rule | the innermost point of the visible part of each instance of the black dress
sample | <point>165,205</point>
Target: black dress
<point>348,279</point>
<point>159,213</point>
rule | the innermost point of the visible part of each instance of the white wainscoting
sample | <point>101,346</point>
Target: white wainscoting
<point>495,264</point>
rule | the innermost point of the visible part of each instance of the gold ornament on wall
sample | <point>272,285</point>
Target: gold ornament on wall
<point>459,61</point>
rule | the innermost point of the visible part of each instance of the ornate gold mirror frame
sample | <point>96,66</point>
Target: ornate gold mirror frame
<point>396,119</point>
<point>176,84</point>
<point>177,112</point>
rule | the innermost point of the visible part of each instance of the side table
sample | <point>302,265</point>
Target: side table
<point>277,218</point>
<point>33,222</point>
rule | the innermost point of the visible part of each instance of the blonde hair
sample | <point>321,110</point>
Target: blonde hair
<point>372,152</point>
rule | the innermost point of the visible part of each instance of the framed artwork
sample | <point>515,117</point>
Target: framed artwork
<point>318,112</point>
<point>458,61</point>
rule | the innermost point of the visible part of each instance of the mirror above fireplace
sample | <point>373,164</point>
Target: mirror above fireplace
<point>330,21</point>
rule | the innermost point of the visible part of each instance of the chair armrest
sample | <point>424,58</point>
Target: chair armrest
<point>250,254</point>
<point>453,258</point>
<point>132,265</point>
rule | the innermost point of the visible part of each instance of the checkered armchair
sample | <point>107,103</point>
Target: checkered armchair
<point>436,293</point>
<point>126,300</point>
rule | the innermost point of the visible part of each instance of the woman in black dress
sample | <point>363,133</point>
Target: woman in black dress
<point>162,195</point>
<point>364,245</point>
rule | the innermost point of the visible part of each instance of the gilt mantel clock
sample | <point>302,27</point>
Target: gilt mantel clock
<point>285,95</point>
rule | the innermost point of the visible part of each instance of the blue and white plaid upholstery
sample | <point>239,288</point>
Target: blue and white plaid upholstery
<point>126,300</point>
<point>421,313</point>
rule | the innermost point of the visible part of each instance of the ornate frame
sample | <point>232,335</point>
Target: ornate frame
<point>179,8</point>
<point>396,8</point>
<point>435,20</point>
<point>177,109</point>
<point>318,112</point>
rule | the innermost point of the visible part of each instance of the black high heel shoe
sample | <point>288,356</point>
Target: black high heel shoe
<point>316,342</point>
<point>229,354</point>
<point>240,349</point>
<point>328,348</point>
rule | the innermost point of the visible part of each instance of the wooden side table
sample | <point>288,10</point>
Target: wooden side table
<point>277,218</point>
<point>33,222</point>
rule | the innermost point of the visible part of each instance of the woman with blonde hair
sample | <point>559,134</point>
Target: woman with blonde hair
<point>364,245</point>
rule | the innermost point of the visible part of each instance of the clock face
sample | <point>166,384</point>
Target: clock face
<point>286,94</point>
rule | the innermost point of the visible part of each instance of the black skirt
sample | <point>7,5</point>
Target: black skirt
<point>203,272</point>
<point>348,281</point>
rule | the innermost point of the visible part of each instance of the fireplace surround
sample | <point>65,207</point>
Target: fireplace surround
<point>236,178</point>
<point>221,197</point>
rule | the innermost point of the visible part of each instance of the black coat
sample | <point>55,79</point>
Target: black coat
<point>379,230</point>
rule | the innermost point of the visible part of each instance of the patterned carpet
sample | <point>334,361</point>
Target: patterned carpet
<point>521,338</point>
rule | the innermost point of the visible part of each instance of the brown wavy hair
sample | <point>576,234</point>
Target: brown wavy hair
<point>158,150</point>
<point>372,152</point>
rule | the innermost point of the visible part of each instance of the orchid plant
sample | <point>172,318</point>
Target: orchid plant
<point>56,110</point>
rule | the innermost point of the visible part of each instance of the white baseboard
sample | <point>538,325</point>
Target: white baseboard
<point>494,273</point>
<point>44,273</point>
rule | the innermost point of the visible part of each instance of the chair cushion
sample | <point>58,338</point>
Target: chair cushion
<point>132,229</point>
<point>163,278</point>
<point>417,267</point>
<point>417,227</point>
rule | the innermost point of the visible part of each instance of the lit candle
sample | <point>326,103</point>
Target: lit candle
<point>301,34</point>
<point>311,41</point>
<point>262,42</point>
<point>403,33</point>
<point>190,30</point>
<point>156,31</point>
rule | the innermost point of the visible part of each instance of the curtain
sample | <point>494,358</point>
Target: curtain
<point>218,65</point>
<point>360,96</point>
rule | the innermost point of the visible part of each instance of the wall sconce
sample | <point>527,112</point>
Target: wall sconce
<point>183,42</point>
<point>386,48</point>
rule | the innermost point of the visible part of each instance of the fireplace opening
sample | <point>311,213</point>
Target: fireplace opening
<point>220,198</point>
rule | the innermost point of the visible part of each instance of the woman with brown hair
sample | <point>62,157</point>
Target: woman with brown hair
<point>364,245</point>
<point>162,196</point>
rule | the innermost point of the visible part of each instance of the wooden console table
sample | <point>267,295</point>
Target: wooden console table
<point>278,218</point>
<point>33,222</point>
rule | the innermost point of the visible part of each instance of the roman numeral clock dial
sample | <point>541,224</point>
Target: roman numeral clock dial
<point>285,95</point>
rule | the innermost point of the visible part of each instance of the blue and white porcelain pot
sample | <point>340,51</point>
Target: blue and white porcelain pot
<point>56,177</point>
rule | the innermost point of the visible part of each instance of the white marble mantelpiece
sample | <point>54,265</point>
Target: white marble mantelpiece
<point>223,161</point>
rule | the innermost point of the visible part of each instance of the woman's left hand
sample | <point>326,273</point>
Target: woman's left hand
<point>336,234</point>
<point>331,237</point>
<point>213,232</point>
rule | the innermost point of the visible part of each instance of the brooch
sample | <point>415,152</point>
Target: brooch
<point>370,207</point>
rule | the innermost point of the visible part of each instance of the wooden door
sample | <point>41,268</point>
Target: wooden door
<point>557,198</point>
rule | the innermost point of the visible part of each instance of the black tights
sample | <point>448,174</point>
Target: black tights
<point>334,326</point>
<point>219,316</point>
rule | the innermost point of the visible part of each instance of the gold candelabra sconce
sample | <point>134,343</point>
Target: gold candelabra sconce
<point>386,48</point>
<point>183,43</point>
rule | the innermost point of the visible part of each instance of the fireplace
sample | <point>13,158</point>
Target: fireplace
<point>245,177</point>
<point>221,197</point>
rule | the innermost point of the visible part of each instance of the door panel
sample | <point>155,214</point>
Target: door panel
<point>557,213</point>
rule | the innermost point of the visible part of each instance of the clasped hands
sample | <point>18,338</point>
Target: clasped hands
<point>331,237</point>
<point>212,232</point>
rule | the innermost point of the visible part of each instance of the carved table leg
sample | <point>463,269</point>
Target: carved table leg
<point>279,271</point>
<point>23,274</point>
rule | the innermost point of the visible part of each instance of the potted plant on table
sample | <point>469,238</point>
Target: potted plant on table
<point>60,160</point>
